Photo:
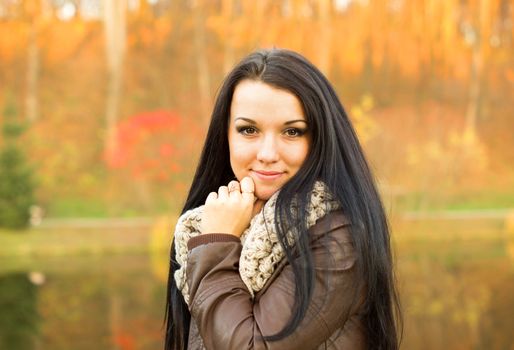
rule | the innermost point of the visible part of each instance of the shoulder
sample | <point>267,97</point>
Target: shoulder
<point>332,242</point>
<point>334,222</point>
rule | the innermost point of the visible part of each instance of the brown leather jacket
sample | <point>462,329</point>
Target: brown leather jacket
<point>225,317</point>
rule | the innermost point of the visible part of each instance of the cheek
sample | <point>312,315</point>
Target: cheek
<point>240,157</point>
<point>298,156</point>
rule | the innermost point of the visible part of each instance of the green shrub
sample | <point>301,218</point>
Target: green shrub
<point>16,185</point>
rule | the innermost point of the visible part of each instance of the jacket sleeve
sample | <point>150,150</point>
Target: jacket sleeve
<point>228,318</point>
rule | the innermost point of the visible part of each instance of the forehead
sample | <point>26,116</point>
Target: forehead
<point>257,100</point>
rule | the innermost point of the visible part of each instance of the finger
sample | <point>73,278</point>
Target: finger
<point>234,190</point>
<point>247,188</point>
<point>211,197</point>
<point>223,193</point>
<point>233,186</point>
<point>247,185</point>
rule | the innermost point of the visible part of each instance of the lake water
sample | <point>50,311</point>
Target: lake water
<point>456,281</point>
<point>110,302</point>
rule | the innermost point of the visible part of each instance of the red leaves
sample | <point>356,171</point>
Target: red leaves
<point>147,145</point>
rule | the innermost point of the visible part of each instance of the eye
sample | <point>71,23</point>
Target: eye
<point>294,132</point>
<point>246,130</point>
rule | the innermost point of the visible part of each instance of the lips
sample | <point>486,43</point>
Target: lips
<point>267,175</point>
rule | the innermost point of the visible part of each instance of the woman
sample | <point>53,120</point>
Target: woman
<point>283,242</point>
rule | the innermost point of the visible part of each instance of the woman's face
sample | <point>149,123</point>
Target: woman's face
<point>268,136</point>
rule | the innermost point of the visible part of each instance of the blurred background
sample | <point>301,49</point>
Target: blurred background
<point>104,105</point>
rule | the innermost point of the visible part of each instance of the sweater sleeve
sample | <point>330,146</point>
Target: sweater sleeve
<point>228,317</point>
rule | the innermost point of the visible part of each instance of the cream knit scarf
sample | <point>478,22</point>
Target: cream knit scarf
<point>261,248</point>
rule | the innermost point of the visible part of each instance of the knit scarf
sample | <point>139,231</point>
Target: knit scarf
<point>261,250</point>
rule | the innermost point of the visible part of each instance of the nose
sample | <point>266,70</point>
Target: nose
<point>268,151</point>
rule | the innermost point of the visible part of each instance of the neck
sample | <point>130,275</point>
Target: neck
<point>257,206</point>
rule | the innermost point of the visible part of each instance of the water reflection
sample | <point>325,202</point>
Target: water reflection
<point>456,282</point>
<point>19,318</point>
<point>496,324</point>
<point>101,303</point>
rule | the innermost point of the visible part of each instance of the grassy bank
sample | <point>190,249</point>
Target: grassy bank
<point>69,241</point>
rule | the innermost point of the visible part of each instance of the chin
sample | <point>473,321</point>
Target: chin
<point>265,194</point>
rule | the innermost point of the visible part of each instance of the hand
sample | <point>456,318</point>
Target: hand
<point>230,211</point>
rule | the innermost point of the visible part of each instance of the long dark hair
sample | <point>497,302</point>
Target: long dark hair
<point>336,158</point>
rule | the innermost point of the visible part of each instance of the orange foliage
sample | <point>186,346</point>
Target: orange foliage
<point>124,341</point>
<point>63,39</point>
<point>13,39</point>
<point>412,59</point>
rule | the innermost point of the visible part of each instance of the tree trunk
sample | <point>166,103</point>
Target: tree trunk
<point>115,35</point>
<point>474,94</point>
<point>477,64</point>
<point>228,19</point>
<point>201,59</point>
<point>31,100</point>
<point>325,39</point>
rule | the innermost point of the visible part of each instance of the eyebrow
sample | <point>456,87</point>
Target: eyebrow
<point>251,121</point>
